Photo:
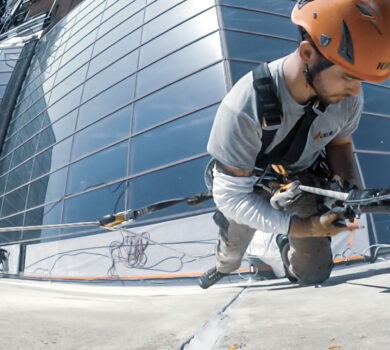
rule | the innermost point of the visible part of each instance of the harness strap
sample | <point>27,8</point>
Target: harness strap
<point>270,114</point>
<point>269,109</point>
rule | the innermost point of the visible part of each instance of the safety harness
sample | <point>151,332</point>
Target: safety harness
<point>270,113</point>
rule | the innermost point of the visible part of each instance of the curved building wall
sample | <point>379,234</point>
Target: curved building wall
<point>114,113</point>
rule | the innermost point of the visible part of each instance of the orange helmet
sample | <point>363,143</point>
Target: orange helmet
<point>353,34</point>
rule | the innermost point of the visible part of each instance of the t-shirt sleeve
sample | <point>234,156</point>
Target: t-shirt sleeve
<point>355,111</point>
<point>235,138</point>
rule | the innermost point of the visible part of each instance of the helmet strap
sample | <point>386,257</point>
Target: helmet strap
<point>310,73</point>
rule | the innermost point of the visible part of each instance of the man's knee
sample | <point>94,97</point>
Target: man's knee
<point>313,274</point>
<point>311,260</point>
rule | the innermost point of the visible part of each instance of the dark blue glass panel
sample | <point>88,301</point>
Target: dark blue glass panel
<point>47,189</point>
<point>382,225</point>
<point>283,7</point>
<point>14,201</point>
<point>171,142</point>
<point>373,134</point>
<point>46,215</point>
<point>3,182</point>
<point>173,17</point>
<point>52,159</point>
<point>104,132</point>
<point>175,182</point>
<point>101,168</point>
<point>258,22</point>
<point>5,164</point>
<point>201,89</point>
<point>47,138</point>
<point>95,204</point>
<point>207,51</point>
<point>179,36</point>
<point>239,69</point>
<point>107,102</point>
<point>24,152</point>
<point>7,237</point>
<point>376,169</point>
<point>256,47</point>
<point>19,176</point>
<point>376,99</point>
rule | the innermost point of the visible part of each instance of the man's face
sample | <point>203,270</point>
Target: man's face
<point>334,84</point>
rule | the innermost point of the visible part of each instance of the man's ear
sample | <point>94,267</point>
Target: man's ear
<point>307,52</point>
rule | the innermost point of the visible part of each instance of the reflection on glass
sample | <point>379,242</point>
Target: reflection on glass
<point>201,89</point>
<point>117,33</point>
<point>207,51</point>
<point>14,201</point>
<point>46,215</point>
<point>109,76</point>
<point>94,205</point>
<point>97,135</point>
<point>7,237</point>
<point>100,168</point>
<point>173,17</point>
<point>117,13</point>
<point>116,51</point>
<point>107,102</point>
<point>52,159</point>
<point>65,105</point>
<point>171,142</point>
<point>19,176</point>
<point>179,36</point>
<point>81,59</point>
<point>24,152</point>
<point>246,46</point>
<point>47,189</point>
<point>157,7</point>
<point>175,182</point>
<point>69,84</point>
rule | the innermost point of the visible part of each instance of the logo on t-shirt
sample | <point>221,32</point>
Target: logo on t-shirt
<point>323,135</point>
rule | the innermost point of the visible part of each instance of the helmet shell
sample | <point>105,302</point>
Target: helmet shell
<point>353,34</point>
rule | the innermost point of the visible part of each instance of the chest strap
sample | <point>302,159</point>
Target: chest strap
<point>270,114</point>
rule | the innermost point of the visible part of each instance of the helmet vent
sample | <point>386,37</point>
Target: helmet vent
<point>346,47</point>
<point>302,3</point>
<point>364,10</point>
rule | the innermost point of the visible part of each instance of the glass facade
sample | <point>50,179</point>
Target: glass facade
<point>119,95</point>
<point>117,106</point>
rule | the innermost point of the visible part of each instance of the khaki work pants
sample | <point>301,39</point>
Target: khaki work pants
<point>309,259</point>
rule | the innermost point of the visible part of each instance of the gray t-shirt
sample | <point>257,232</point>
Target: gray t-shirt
<point>235,138</point>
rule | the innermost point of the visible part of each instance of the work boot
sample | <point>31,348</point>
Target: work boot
<point>210,277</point>
<point>283,244</point>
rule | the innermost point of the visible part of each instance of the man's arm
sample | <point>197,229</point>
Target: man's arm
<point>340,157</point>
<point>234,197</point>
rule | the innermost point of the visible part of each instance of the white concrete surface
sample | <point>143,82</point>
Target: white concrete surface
<point>350,311</point>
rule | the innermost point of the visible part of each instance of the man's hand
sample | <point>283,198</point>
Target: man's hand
<point>320,226</point>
